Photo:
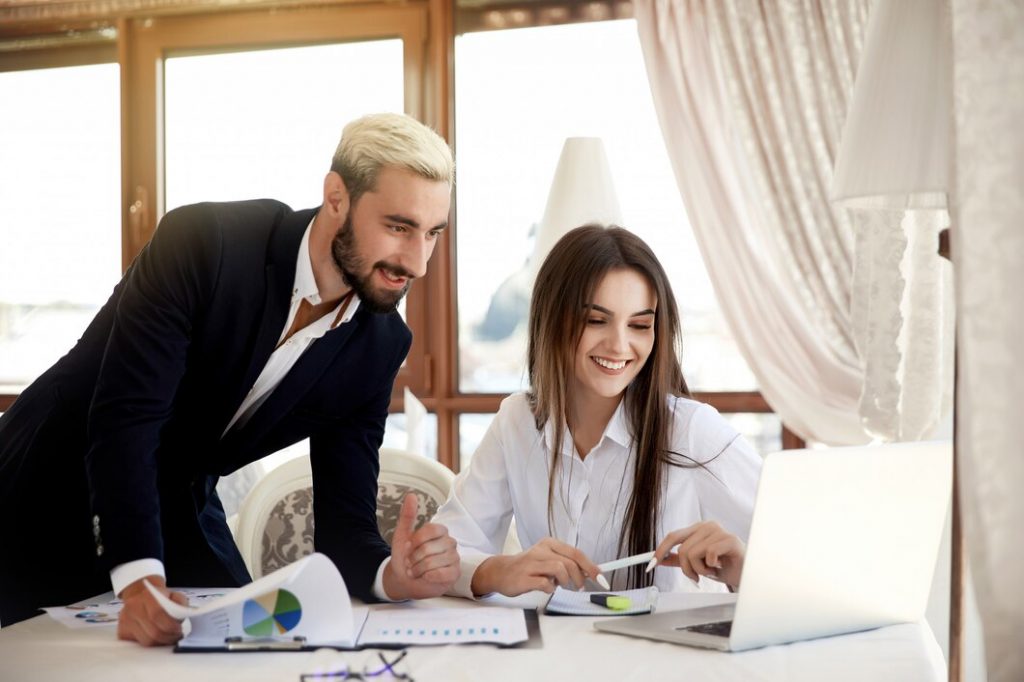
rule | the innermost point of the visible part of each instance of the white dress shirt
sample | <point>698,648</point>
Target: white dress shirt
<point>284,357</point>
<point>287,353</point>
<point>508,475</point>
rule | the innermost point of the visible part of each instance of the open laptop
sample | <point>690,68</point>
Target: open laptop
<point>842,540</point>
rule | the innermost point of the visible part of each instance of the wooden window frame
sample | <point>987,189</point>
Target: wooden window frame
<point>149,41</point>
<point>443,396</point>
<point>154,29</point>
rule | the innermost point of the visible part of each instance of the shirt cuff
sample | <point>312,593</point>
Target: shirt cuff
<point>378,583</point>
<point>469,561</point>
<point>123,575</point>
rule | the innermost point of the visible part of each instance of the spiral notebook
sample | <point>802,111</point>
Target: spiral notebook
<point>572,603</point>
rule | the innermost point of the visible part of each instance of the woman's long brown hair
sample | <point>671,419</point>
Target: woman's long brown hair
<point>564,287</point>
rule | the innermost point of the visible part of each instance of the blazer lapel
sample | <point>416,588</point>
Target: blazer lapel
<point>300,378</point>
<point>279,278</point>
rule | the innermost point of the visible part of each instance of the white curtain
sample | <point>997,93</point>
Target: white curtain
<point>833,317</point>
<point>988,252</point>
<point>903,317</point>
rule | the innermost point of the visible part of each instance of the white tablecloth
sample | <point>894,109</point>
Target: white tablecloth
<point>42,649</point>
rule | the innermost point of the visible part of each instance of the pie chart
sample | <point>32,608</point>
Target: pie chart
<point>274,613</point>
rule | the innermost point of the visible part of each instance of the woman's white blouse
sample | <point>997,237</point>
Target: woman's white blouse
<point>508,475</point>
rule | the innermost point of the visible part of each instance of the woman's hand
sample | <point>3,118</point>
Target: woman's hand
<point>707,549</point>
<point>548,563</point>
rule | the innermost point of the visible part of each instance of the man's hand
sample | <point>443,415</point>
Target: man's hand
<point>143,620</point>
<point>424,563</point>
<point>705,548</point>
<point>548,563</point>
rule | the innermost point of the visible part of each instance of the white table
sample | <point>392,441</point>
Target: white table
<point>42,649</point>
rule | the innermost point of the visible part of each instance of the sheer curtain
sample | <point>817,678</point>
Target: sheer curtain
<point>988,249</point>
<point>832,310</point>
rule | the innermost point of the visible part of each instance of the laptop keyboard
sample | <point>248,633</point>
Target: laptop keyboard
<point>722,628</point>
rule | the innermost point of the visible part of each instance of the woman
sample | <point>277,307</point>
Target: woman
<point>606,456</point>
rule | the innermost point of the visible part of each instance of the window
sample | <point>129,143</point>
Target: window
<point>60,182</point>
<point>519,94</point>
<point>225,119</point>
<point>472,428</point>
<point>227,140</point>
<point>205,105</point>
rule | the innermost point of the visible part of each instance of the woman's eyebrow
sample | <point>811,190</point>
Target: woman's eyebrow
<point>602,309</point>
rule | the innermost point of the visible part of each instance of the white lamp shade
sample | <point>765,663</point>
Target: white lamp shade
<point>582,192</point>
<point>895,149</point>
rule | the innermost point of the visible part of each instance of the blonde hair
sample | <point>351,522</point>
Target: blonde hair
<point>373,142</point>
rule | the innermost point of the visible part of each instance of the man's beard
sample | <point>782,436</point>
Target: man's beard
<point>346,256</point>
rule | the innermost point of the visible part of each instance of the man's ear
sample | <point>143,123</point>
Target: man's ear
<point>336,199</point>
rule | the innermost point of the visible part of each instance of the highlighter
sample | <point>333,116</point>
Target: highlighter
<point>611,601</point>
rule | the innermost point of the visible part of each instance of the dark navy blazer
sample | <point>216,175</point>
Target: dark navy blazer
<point>150,387</point>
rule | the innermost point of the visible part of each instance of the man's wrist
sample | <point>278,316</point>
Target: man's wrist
<point>379,590</point>
<point>391,583</point>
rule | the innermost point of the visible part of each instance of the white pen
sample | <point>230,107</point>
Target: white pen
<point>627,561</point>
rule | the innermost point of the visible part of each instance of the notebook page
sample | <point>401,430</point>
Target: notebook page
<point>411,626</point>
<point>572,603</point>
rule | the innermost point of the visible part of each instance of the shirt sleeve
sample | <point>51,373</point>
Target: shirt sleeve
<point>729,469</point>
<point>378,584</point>
<point>478,511</point>
<point>345,465</point>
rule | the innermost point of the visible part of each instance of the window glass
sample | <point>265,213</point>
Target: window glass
<point>227,140</point>
<point>519,94</point>
<point>396,435</point>
<point>60,196</point>
<point>762,430</point>
<point>472,428</point>
<point>264,124</point>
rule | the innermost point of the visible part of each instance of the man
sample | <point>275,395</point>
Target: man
<point>241,328</point>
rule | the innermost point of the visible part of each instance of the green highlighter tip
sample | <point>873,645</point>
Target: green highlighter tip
<point>611,601</point>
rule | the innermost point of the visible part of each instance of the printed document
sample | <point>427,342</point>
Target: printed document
<point>307,602</point>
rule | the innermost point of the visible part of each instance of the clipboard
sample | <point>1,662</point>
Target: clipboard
<point>305,606</point>
<point>534,640</point>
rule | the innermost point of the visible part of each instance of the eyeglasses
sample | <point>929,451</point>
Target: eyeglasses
<point>378,668</point>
